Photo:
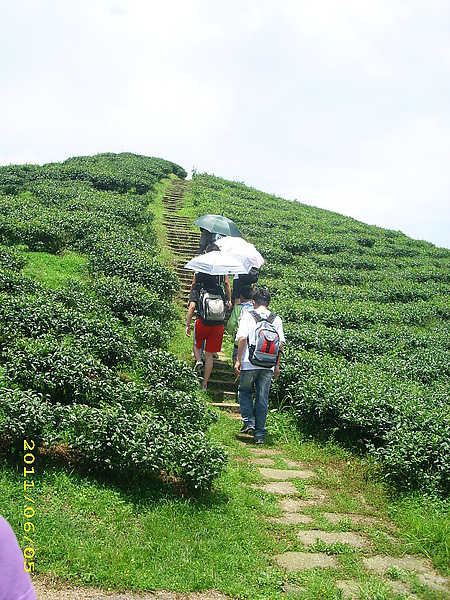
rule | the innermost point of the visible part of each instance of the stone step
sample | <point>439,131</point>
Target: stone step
<point>181,241</point>
<point>185,228</point>
<point>179,222</point>
<point>180,235</point>
<point>184,245</point>
<point>171,217</point>
<point>221,384</point>
<point>184,234</point>
<point>182,249</point>
<point>228,406</point>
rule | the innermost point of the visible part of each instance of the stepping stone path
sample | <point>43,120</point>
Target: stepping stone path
<point>283,474</point>
<point>311,536</point>
<point>292,507</point>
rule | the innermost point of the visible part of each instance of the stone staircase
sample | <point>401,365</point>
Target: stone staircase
<point>183,240</point>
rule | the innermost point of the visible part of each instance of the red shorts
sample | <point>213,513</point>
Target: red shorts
<point>213,334</point>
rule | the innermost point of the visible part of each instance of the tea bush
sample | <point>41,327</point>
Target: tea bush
<point>63,373</point>
<point>127,298</point>
<point>134,265</point>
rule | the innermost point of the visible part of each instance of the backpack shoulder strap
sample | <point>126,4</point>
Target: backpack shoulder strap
<point>255,315</point>
<point>270,319</point>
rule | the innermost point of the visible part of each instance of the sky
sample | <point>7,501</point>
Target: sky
<point>340,104</point>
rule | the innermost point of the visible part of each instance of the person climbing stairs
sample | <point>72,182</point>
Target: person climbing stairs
<point>183,240</point>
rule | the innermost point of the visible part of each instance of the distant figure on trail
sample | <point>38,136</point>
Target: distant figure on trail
<point>260,338</point>
<point>245,303</point>
<point>15,582</point>
<point>244,279</point>
<point>205,240</point>
<point>208,299</point>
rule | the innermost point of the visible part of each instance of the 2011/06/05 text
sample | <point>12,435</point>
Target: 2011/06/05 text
<point>28,511</point>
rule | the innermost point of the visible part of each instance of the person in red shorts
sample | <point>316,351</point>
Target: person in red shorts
<point>205,330</point>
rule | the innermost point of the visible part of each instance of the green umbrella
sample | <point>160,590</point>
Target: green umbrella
<point>218,224</point>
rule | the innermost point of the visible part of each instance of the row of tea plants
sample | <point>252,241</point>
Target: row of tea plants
<point>83,365</point>
<point>367,320</point>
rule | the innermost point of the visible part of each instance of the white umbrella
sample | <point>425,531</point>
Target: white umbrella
<point>240,247</point>
<point>219,263</point>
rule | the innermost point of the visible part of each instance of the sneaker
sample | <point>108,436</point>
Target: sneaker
<point>247,429</point>
<point>215,355</point>
<point>259,441</point>
<point>198,366</point>
<point>204,389</point>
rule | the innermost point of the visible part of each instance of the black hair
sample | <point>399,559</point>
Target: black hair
<point>261,297</point>
<point>246,292</point>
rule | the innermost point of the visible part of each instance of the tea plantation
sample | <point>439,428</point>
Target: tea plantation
<point>83,365</point>
<point>83,368</point>
<point>367,314</point>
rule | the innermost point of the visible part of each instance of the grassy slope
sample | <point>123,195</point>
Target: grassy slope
<point>218,542</point>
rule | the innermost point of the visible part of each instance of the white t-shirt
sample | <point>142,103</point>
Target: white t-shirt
<point>247,330</point>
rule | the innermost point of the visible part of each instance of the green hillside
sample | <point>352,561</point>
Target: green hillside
<point>366,314</point>
<point>133,465</point>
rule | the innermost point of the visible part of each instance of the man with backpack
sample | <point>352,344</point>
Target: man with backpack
<point>208,298</point>
<point>261,337</point>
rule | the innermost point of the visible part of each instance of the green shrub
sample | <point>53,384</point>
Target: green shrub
<point>161,368</point>
<point>64,374</point>
<point>126,299</point>
<point>135,266</point>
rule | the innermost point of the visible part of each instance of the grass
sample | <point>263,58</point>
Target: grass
<point>79,520</point>
<point>157,208</point>
<point>55,269</point>
<point>425,525</point>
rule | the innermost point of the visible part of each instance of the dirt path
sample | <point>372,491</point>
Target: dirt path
<point>46,591</point>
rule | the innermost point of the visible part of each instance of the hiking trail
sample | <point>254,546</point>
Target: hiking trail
<point>183,241</point>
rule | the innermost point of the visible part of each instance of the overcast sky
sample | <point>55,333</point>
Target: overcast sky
<point>341,104</point>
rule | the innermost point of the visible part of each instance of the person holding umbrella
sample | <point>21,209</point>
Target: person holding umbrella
<point>222,280</point>
<point>208,299</point>
<point>219,225</point>
<point>240,247</point>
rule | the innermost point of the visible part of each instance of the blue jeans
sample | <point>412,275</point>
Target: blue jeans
<point>255,381</point>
